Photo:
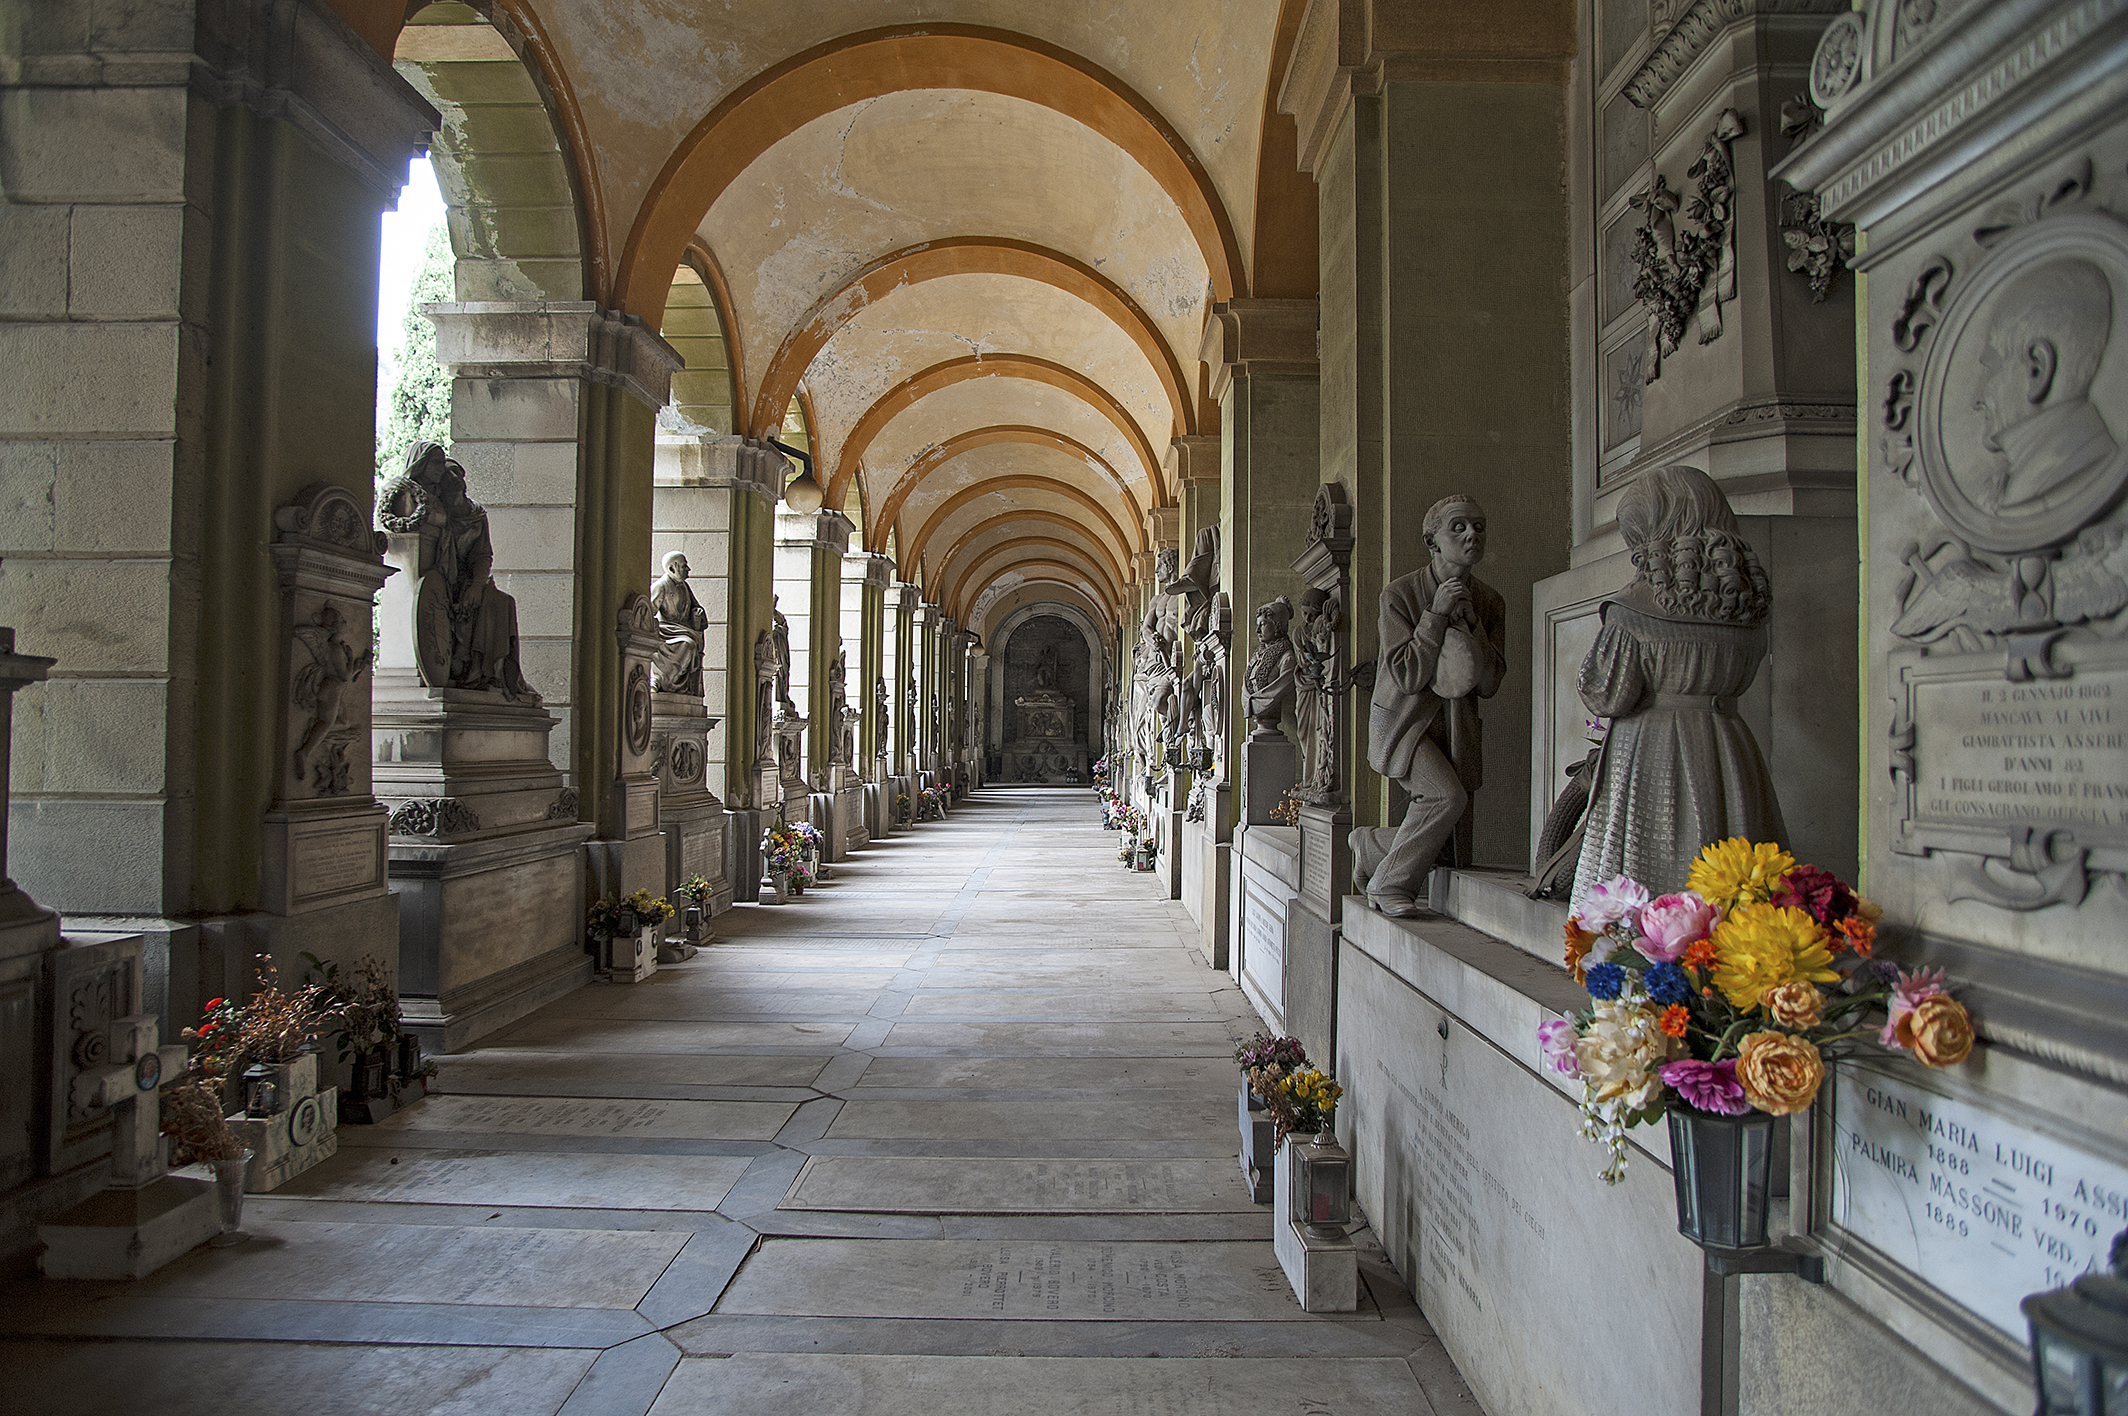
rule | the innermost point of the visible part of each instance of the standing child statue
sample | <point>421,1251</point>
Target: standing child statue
<point>1679,768</point>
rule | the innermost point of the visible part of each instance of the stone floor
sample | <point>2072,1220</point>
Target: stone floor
<point>954,1133</point>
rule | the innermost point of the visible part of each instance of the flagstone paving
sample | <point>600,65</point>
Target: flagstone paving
<point>952,1133</point>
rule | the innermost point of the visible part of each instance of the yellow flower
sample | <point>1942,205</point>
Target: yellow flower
<point>1736,872</point>
<point>1760,947</point>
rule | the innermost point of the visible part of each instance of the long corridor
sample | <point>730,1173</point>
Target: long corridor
<point>953,1133</point>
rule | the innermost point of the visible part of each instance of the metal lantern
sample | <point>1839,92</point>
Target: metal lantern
<point>409,1054</point>
<point>1321,1187</point>
<point>369,1074</point>
<point>262,1090</point>
<point>2080,1342</point>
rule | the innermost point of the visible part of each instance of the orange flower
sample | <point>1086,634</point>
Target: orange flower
<point>1674,1020</point>
<point>1938,1031</point>
<point>1699,954</point>
<point>1578,943</point>
<point>1858,934</point>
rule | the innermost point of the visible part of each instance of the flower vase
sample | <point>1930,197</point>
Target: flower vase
<point>1723,1168</point>
<point>229,1199</point>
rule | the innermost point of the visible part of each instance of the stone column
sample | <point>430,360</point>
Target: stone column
<point>550,408</point>
<point>903,687</point>
<point>926,736</point>
<point>632,853</point>
<point>1444,340</point>
<point>809,551</point>
<point>714,501</point>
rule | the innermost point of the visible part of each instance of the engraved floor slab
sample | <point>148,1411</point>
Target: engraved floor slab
<point>581,1035</point>
<point>1072,1282</point>
<point>623,1182</point>
<point>836,1385</point>
<point>1134,1003</point>
<point>320,1379</point>
<point>1116,1039</point>
<point>925,1185</point>
<point>522,1072</point>
<point>1087,1072</point>
<point>574,1116</point>
<point>1093,1115</point>
<point>403,1263</point>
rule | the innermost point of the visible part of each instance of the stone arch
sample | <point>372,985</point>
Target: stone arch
<point>1004,366</point>
<point>1097,666</point>
<point>1020,516</point>
<point>933,260</point>
<point>876,62</point>
<point>953,588</point>
<point>961,498</point>
<point>1040,551</point>
<point>944,452</point>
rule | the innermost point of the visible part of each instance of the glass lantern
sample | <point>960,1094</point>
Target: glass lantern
<point>262,1090</point>
<point>1321,1187</point>
<point>409,1054</point>
<point>2080,1342</point>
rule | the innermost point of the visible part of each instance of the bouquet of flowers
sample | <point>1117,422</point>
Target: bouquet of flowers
<point>901,808</point>
<point>696,891</point>
<point>1305,1102</point>
<point>1729,996</point>
<point>1266,1061</point>
<point>783,849</point>
<point>603,920</point>
<point>272,1027</point>
<point>366,1005</point>
<point>1287,812</point>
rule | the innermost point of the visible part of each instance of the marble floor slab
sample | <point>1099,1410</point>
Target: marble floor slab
<point>1155,1073</point>
<point>545,1033</point>
<point>389,1263</point>
<point>924,1185</point>
<point>523,1071</point>
<point>590,1116</point>
<point>1186,1004</point>
<point>1153,1039</point>
<point>318,1379</point>
<point>1059,1281</point>
<point>617,1182</point>
<point>1117,1115</point>
<point>857,1385</point>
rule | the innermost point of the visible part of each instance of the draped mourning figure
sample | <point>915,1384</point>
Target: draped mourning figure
<point>1315,690</point>
<point>677,665</point>
<point>465,628</point>
<point>1444,647</point>
<point>1677,646</point>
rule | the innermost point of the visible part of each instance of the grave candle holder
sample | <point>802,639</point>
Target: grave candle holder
<point>262,1091</point>
<point>1322,1190</point>
<point>2080,1342</point>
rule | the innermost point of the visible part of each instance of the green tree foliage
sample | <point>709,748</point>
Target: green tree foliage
<point>419,408</point>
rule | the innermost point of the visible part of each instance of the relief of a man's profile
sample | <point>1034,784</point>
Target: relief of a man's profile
<point>2044,346</point>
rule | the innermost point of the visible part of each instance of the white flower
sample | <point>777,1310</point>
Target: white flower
<point>1617,900</point>
<point>1619,1051</point>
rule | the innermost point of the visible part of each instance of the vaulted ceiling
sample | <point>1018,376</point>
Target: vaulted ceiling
<point>975,239</point>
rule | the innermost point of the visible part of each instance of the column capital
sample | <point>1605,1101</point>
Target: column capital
<point>866,568</point>
<point>1351,47</point>
<point>814,528</point>
<point>1193,458</point>
<point>1163,524</point>
<point>1266,336</point>
<point>718,460</point>
<point>555,339</point>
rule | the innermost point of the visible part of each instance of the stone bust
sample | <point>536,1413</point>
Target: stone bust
<point>1443,635</point>
<point>465,627</point>
<point>1268,679</point>
<point>677,665</point>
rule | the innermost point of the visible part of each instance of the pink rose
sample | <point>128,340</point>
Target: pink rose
<point>1617,900</point>
<point>1555,1039</point>
<point>1673,924</point>
<point>1912,990</point>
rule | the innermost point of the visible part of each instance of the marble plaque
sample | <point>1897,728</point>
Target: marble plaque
<point>1977,1205</point>
<point>564,1116</point>
<point>635,1182</point>
<point>1991,755</point>
<point>863,1385</point>
<point>1014,1280</point>
<point>329,863</point>
<point>926,1185</point>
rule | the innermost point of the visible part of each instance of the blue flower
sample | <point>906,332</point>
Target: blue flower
<point>1667,983</point>
<point>1606,980</point>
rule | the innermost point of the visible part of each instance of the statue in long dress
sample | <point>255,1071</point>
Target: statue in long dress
<point>465,627</point>
<point>1444,646</point>
<point>768,669</point>
<point>1315,691</point>
<point>1677,646</point>
<point>1045,669</point>
<point>677,665</point>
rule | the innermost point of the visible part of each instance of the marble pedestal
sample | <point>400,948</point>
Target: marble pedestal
<point>305,1131</point>
<point>1266,894</point>
<point>1324,1272</point>
<point>129,1233</point>
<point>1207,858</point>
<point>486,859</point>
<point>1270,766</point>
<point>691,818</point>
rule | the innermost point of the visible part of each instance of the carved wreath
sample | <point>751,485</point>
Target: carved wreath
<point>1688,265</point>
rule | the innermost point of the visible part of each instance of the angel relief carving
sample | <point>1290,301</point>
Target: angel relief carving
<point>324,688</point>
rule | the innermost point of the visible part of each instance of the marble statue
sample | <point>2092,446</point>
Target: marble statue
<point>783,659</point>
<point>1267,683</point>
<point>1197,583</point>
<point>1315,692</point>
<point>882,720</point>
<point>1443,635</point>
<point>1045,669</point>
<point>1677,646</point>
<point>677,665</point>
<point>768,672</point>
<point>842,718</point>
<point>465,628</point>
<point>1212,650</point>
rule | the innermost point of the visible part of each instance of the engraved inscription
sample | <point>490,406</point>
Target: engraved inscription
<point>1990,753</point>
<point>327,864</point>
<point>1978,1206</point>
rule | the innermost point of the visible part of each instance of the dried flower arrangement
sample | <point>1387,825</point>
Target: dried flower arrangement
<point>272,1026</point>
<point>366,1004</point>
<point>192,1119</point>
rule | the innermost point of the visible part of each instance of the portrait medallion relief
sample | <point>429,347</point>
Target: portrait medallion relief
<point>2019,408</point>
<point>635,710</point>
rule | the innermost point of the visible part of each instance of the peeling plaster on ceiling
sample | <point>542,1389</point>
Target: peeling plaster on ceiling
<point>647,71</point>
<point>990,403</point>
<point>978,546</point>
<point>930,165</point>
<point>1015,503</point>
<point>915,327</point>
